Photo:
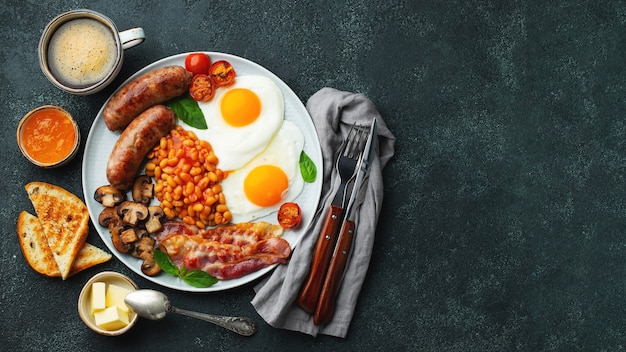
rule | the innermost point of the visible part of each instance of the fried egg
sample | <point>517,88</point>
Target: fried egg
<point>267,181</point>
<point>242,119</point>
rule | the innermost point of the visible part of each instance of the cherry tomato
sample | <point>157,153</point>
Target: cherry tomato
<point>222,73</point>
<point>201,88</point>
<point>198,63</point>
<point>289,215</point>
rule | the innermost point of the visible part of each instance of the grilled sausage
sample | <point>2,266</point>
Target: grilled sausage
<point>154,87</point>
<point>143,133</point>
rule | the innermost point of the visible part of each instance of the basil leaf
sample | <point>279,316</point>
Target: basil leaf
<point>307,168</point>
<point>187,109</point>
<point>165,263</point>
<point>196,278</point>
<point>199,278</point>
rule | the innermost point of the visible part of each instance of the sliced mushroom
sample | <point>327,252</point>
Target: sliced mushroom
<point>149,265</point>
<point>109,196</point>
<point>129,236</point>
<point>144,245</point>
<point>132,212</point>
<point>116,238</point>
<point>134,252</point>
<point>108,217</point>
<point>143,189</point>
<point>141,232</point>
<point>155,214</point>
<point>144,249</point>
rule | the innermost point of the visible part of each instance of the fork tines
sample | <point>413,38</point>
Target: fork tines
<point>347,161</point>
<point>353,145</point>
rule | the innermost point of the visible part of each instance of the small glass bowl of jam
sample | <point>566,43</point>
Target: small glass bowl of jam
<point>48,136</point>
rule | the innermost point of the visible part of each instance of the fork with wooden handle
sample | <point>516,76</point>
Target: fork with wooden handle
<point>350,152</point>
<point>326,305</point>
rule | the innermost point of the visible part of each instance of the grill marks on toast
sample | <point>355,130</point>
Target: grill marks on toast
<point>65,221</point>
<point>34,245</point>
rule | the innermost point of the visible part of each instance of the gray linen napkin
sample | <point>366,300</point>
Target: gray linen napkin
<point>333,113</point>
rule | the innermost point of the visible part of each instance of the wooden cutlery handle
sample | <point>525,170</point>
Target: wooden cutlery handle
<point>326,305</point>
<point>324,247</point>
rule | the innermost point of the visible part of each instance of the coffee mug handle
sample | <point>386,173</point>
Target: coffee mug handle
<point>132,37</point>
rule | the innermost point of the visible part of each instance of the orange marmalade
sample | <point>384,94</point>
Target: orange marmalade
<point>48,135</point>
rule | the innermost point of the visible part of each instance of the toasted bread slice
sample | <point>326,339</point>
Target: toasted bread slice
<point>35,248</point>
<point>35,245</point>
<point>89,256</point>
<point>65,220</point>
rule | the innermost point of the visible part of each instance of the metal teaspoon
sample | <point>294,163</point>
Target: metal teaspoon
<point>154,305</point>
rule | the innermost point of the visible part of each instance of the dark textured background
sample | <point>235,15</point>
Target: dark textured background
<point>504,215</point>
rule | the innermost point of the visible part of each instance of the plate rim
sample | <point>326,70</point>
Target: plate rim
<point>315,187</point>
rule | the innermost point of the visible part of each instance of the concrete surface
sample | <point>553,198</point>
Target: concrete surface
<point>503,226</point>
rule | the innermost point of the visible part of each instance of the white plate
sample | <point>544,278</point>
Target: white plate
<point>100,143</point>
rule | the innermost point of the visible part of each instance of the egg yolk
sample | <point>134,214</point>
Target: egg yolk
<point>265,185</point>
<point>240,107</point>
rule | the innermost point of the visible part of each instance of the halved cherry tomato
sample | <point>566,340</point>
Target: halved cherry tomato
<point>201,88</point>
<point>198,63</point>
<point>222,73</point>
<point>289,215</point>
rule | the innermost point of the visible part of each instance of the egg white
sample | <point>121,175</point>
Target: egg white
<point>283,152</point>
<point>235,146</point>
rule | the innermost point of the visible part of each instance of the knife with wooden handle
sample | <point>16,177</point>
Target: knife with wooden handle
<point>347,165</point>
<point>324,246</point>
<point>326,304</point>
<point>325,308</point>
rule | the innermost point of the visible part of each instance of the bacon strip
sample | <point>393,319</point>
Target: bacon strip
<point>242,234</point>
<point>237,234</point>
<point>226,252</point>
<point>176,228</point>
<point>225,261</point>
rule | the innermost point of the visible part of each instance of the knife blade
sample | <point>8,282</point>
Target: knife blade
<point>327,239</point>
<point>325,308</point>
